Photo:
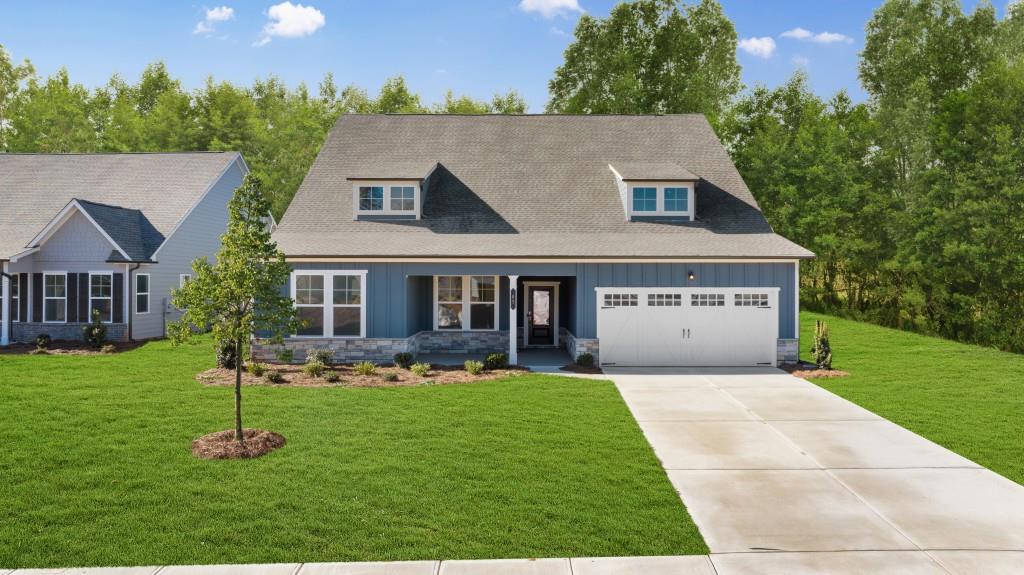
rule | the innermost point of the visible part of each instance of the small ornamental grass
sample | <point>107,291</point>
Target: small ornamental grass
<point>365,368</point>
<point>496,361</point>
<point>273,376</point>
<point>314,369</point>
<point>332,377</point>
<point>319,355</point>
<point>420,369</point>
<point>256,368</point>
<point>389,376</point>
<point>473,367</point>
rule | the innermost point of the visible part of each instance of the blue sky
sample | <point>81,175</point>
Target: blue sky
<point>471,46</point>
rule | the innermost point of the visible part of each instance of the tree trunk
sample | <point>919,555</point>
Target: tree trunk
<point>238,390</point>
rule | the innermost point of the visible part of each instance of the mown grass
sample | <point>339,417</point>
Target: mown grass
<point>95,469</point>
<point>967,398</point>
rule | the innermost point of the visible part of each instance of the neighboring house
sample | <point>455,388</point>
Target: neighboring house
<point>629,237</point>
<point>107,232</point>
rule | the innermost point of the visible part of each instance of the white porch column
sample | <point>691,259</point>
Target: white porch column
<point>513,330</point>
<point>5,320</point>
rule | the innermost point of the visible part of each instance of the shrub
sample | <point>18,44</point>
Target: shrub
<point>403,359</point>
<point>43,341</point>
<point>314,369</point>
<point>420,369</point>
<point>473,367</point>
<point>821,349</point>
<point>108,348</point>
<point>256,368</point>
<point>285,355</point>
<point>95,333</point>
<point>226,356</point>
<point>585,360</point>
<point>319,355</point>
<point>332,377</point>
<point>496,361</point>
<point>389,376</point>
<point>273,376</point>
<point>365,368</point>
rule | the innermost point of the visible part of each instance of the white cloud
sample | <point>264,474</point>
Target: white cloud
<point>819,38</point>
<point>801,61</point>
<point>213,15</point>
<point>556,31</point>
<point>550,8</point>
<point>287,20</point>
<point>760,47</point>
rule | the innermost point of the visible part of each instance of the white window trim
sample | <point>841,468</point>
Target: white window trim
<point>65,298</point>
<point>111,298</point>
<point>328,305</point>
<point>660,198</point>
<point>14,283</point>
<point>387,184</point>
<point>149,289</point>
<point>467,303</point>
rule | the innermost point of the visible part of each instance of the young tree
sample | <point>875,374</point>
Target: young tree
<point>240,294</point>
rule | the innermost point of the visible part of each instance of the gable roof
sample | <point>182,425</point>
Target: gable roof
<point>526,186</point>
<point>136,199</point>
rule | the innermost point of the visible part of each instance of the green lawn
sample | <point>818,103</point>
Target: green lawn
<point>95,469</point>
<point>968,398</point>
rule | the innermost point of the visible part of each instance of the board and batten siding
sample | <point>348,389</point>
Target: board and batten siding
<point>197,236</point>
<point>399,295</point>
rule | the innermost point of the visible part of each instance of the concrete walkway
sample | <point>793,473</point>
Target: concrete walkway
<point>782,476</point>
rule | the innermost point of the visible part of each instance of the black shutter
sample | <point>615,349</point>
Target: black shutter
<point>23,297</point>
<point>118,298</point>
<point>72,298</point>
<point>10,300</point>
<point>84,313</point>
<point>37,297</point>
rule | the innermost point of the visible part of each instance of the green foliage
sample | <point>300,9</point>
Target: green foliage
<point>821,349</point>
<point>95,333</point>
<point>420,369</point>
<point>227,356</point>
<point>496,361</point>
<point>332,377</point>
<point>314,368</point>
<point>319,355</point>
<point>473,367</point>
<point>403,359</point>
<point>43,341</point>
<point>285,354</point>
<point>649,56</point>
<point>585,360</point>
<point>108,348</point>
<point>389,376</point>
<point>256,368</point>
<point>273,376</point>
<point>365,368</point>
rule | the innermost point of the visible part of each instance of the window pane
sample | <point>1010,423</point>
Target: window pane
<point>371,198</point>
<point>676,199</point>
<point>142,284</point>
<point>645,199</point>
<point>55,286</point>
<point>346,321</point>
<point>449,288</point>
<point>449,316</point>
<point>315,317</point>
<point>309,290</point>
<point>403,198</point>
<point>346,290</point>
<point>100,286</point>
<point>482,288</point>
<point>142,303</point>
<point>54,310</point>
<point>482,316</point>
<point>102,306</point>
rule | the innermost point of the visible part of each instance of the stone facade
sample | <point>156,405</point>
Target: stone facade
<point>461,341</point>
<point>789,350</point>
<point>383,350</point>
<point>26,332</point>
<point>575,346</point>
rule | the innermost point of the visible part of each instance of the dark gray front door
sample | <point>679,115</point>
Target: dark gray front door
<point>540,310</point>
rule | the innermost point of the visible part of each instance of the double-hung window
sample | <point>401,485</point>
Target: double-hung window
<point>645,199</point>
<point>466,303</point>
<point>55,297</point>
<point>101,296</point>
<point>142,293</point>
<point>15,298</point>
<point>330,303</point>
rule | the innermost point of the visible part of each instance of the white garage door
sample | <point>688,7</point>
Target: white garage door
<point>687,326</point>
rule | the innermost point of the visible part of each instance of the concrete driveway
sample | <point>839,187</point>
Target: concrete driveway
<point>782,476</point>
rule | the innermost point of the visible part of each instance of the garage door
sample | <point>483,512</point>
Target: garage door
<point>688,326</point>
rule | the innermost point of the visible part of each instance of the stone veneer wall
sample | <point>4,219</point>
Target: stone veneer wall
<point>789,350</point>
<point>461,341</point>
<point>27,332</point>
<point>579,345</point>
<point>384,349</point>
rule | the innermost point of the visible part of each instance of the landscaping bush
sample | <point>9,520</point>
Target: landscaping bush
<point>226,356</point>
<point>496,361</point>
<point>473,367</point>
<point>403,359</point>
<point>285,355</point>
<point>319,355</point>
<point>365,368</point>
<point>95,333</point>
<point>389,376</point>
<point>256,368</point>
<point>43,341</point>
<point>314,369</point>
<point>821,349</point>
<point>273,376</point>
<point>332,377</point>
<point>420,369</point>
<point>108,348</point>
<point>585,360</point>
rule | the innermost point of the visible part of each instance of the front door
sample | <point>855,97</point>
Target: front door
<point>540,315</point>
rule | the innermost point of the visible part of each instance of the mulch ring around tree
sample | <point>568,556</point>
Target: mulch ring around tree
<point>809,370</point>
<point>345,375</point>
<point>223,445</point>
<point>69,348</point>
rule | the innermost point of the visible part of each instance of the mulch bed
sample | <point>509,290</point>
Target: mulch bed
<point>809,370</point>
<point>574,368</point>
<point>293,376</point>
<point>222,444</point>
<point>68,348</point>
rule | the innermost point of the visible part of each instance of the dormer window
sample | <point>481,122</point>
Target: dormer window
<point>371,198</point>
<point>677,199</point>
<point>645,199</point>
<point>669,199</point>
<point>386,200</point>
<point>403,198</point>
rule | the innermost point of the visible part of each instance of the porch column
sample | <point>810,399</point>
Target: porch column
<point>513,330</point>
<point>5,320</point>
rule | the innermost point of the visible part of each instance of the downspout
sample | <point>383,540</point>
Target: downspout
<point>128,296</point>
<point>5,313</point>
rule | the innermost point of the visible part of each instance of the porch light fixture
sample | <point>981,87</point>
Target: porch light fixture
<point>513,302</point>
<point>690,275</point>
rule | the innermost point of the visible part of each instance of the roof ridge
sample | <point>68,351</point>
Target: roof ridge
<point>184,152</point>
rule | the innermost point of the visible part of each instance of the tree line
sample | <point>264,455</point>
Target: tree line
<point>913,201</point>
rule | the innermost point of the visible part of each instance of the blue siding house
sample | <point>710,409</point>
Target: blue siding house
<point>632,238</point>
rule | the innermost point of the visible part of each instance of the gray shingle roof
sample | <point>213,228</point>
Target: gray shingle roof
<point>522,186</point>
<point>653,171</point>
<point>140,198</point>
